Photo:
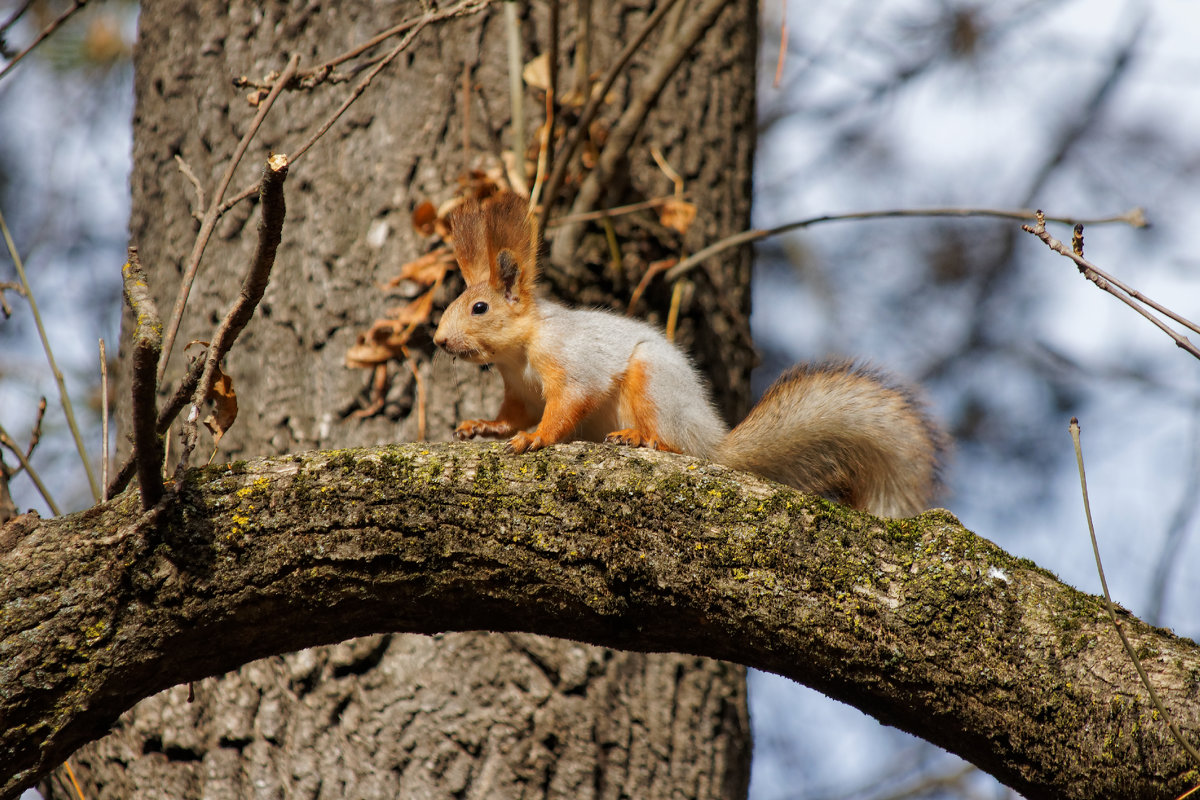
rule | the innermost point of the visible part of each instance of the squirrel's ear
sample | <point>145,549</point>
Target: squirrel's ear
<point>509,273</point>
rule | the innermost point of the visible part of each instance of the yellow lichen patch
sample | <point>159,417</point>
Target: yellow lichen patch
<point>258,486</point>
<point>240,521</point>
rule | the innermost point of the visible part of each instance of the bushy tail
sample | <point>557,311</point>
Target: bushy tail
<point>845,432</point>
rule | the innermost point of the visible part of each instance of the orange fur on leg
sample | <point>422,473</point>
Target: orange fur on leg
<point>565,409</point>
<point>635,405</point>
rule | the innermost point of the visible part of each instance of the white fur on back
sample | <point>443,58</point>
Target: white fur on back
<point>594,346</point>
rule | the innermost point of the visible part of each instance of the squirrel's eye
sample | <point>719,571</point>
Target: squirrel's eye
<point>479,308</point>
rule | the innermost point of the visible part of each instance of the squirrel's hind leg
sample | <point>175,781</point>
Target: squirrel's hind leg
<point>636,410</point>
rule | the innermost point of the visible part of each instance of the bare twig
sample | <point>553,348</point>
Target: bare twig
<point>312,76</point>
<point>420,392</point>
<point>270,233</point>
<point>46,32</point>
<point>16,15</point>
<point>103,423</point>
<point>213,214</point>
<point>1135,218</point>
<point>783,41</point>
<point>595,99</point>
<point>615,211</point>
<point>64,397</point>
<point>147,344</point>
<point>74,782</point>
<point>516,85</point>
<point>1126,294</point>
<point>7,286</point>
<point>459,9</point>
<point>671,52</point>
<point>166,416</point>
<point>8,442</point>
<point>35,435</point>
<point>583,46</point>
<point>1112,611</point>
<point>186,170</point>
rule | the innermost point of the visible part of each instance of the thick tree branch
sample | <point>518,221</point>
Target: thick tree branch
<point>918,622</point>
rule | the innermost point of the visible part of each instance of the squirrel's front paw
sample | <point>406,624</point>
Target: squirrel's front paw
<point>469,429</point>
<point>525,442</point>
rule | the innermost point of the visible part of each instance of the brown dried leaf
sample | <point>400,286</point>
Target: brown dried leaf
<point>537,72</point>
<point>426,270</point>
<point>478,184</point>
<point>415,312</point>
<point>383,341</point>
<point>677,214</point>
<point>423,218</point>
<point>225,407</point>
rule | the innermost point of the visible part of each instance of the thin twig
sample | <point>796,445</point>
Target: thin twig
<point>103,423</point>
<point>594,101</point>
<point>41,37</point>
<point>552,55</point>
<point>213,214</point>
<point>615,211</point>
<point>583,46</point>
<point>166,416</point>
<point>1127,295</point>
<point>147,344</point>
<point>186,170</point>
<point>1112,611</point>
<point>35,435</point>
<point>1135,218</point>
<point>516,85</point>
<point>311,76</point>
<point>8,442</point>
<point>7,286</point>
<point>420,392</point>
<point>461,8</point>
<point>64,398</point>
<point>74,783</point>
<point>783,41</point>
<point>621,136</point>
<point>16,15</point>
<point>270,233</point>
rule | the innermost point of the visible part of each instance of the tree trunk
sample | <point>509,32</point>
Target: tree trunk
<point>472,715</point>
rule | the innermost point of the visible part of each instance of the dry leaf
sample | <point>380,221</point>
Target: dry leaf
<point>384,340</point>
<point>516,170</point>
<point>423,218</point>
<point>677,214</point>
<point>537,72</point>
<point>225,407</point>
<point>426,270</point>
<point>415,312</point>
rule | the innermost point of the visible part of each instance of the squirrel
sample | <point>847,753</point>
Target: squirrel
<point>838,429</point>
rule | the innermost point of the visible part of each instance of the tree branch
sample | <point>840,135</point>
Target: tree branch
<point>918,622</point>
<point>147,345</point>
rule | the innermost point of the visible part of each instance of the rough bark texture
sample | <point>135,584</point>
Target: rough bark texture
<point>492,716</point>
<point>918,622</point>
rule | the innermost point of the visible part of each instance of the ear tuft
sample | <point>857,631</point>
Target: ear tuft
<point>468,229</point>
<point>509,272</point>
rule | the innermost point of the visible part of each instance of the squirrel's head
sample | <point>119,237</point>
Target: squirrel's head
<point>494,245</point>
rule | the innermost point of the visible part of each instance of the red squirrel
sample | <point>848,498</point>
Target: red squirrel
<point>838,430</point>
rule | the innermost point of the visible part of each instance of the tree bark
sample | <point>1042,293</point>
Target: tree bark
<point>917,622</point>
<point>497,716</point>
